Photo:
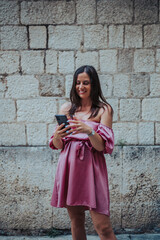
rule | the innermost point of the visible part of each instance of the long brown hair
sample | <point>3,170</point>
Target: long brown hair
<point>97,98</point>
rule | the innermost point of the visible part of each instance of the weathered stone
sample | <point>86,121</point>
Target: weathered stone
<point>51,61</point>
<point>7,110</point>
<point>144,60</point>
<point>139,84</point>
<point>152,36</point>
<point>66,62</point>
<point>9,12</point>
<point>68,85</point>
<point>114,103</point>
<point>51,85</point>
<point>3,86</point>
<point>87,58</point>
<point>9,62</point>
<point>133,36</point>
<point>146,133</point>
<point>150,109</point>
<point>106,82</point>
<point>116,36</point>
<point>158,60</point>
<point>86,11</point>
<point>65,37</point>
<point>157,133</point>
<point>14,37</point>
<point>95,37</point>
<point>129,109</point>
<point>36,134</point>
<point>22,86</point>
<point>37,36</point>
<point>116,11</point>
<point>155,84</point>
<point>36,110</point>
<point>108,60</point>
<point>47,12</point>
<point>125,60</point>
<point>32,62</point>
<point>121,85</point>
<point>146,11</point>
<point>12,134</point>
<point>51,128</point>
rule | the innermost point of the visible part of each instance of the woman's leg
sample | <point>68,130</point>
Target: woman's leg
<point>102,226</point>
<point>77,216</point>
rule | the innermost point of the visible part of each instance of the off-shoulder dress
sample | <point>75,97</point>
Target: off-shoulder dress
<point>81,176</point>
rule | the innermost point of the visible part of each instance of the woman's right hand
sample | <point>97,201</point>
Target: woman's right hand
<point>62,132</point>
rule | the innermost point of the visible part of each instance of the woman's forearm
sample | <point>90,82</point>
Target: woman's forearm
<point>57,143</point>
<point>97,142</point>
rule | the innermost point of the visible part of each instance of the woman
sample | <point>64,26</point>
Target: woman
<point>81,181</point>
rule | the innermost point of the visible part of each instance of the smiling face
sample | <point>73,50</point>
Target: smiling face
<point>83,85</point>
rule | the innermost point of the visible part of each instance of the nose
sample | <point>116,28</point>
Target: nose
<point>81,85</point>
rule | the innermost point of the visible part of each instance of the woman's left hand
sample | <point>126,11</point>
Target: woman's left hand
<point>79,127</point>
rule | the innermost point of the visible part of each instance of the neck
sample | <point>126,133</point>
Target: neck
<point>86,103</point>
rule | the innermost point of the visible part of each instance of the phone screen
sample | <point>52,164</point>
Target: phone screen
<point>62,119</point>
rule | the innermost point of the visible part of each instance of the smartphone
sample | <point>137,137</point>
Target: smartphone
<point>62,119</point>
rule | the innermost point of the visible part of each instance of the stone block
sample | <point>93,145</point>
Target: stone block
<point>125,133</point>
<point>157,133</point>
<point>152,36</point>
<point>116,36</point>
<point>146,11</point>
<point>140,84</point>
<point>7,110</point>
<point>130,109</point>
<point>133,36</point>
<point>106,82</point>
<point>12,134</point>
<point>37,36</point>
<point>121,85</point>
<point>21,86</point>
<point>68,85</point>
<point>144,60</point>
<point>51,128</point>
<point>95,37</point>
<point>36,110</point>
<point>158,60</point>
<point>51,61</point>
<point>65,37</point>
<point>47,12</point>
<point>114,103</point>
<point>32,62</point>
<point>9,12</point>
<point>9,62</point>
<point>36,134</point>
<point>87,58</point>
<point>51,85</point>
<point>116,11</point>
<point>146,133</point>
<point>14,38</point>
<point>155,85</point>
<point>150,109</point>
<point>27,182</point>
<point>86,11</point>
<point>125,60</point>
<point>108,61</point>
<point>66,62</point>
<point>3,86</point>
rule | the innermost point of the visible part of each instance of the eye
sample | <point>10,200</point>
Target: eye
<point>86,82</point>
<point>78,82</point>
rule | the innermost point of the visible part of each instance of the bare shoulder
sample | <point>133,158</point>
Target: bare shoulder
<point>106,116</point>
<point>65,108</point>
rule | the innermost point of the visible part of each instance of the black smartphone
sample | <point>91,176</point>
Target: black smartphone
<point>62,119</point>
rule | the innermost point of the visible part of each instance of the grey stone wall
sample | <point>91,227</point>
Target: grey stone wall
<point>41,45</point>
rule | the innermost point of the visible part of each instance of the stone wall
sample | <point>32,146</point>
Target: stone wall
<point>41,44</point>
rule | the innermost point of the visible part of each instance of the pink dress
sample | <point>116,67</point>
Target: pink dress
<point>81,176</point>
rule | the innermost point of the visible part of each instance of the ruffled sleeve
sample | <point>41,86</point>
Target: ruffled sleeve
<point>108,136</point>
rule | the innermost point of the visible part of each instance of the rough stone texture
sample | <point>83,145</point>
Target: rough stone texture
<point>106,82</point>
<point>38,36</point>
<point>36,134</point>
<point>139,84</point>
<point>68,85</point>
<point>86,11</point>
<point>95,37</point>
<point>125,60</point>
<point>157,133</point>
<point>114,104</point>
<point>36,110</point>
<point>22,86</point>
<point>158,61</point>
<point>47,12</point>
<point>3,86</point>
<point>108,60</point>
<point>89,58</point>
<point>9,62</point>
<point>65,37</point>
<point>32,62</point>
<point>121,85</point>
<point>66,62</point>
<point>116,11</point>
<point>7,110</point>
<point>146,11</point>
<point>116,36</point>
<point>152,36</point>
<point>144,60</point>
<point>51,85</point>
<point>133,36</point>
<point>51,61</point>
<point>146,133</point>
<point>129,109</point>
<point>155,85</point>
<point>9,12</point>
<point>150,109</point>
<point>14,37</point>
